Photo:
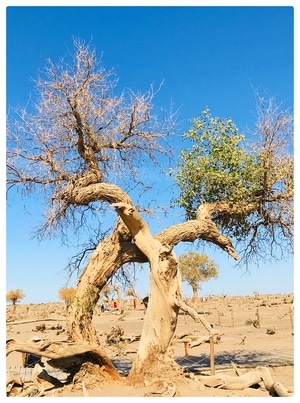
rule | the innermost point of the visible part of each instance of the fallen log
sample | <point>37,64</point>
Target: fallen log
<point>245,380</point>
<point>66,355</point>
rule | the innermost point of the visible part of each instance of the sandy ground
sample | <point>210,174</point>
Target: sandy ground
<point>256,330</point>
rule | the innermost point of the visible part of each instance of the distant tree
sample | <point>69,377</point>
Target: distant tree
<point>195,269</point>
<point>130,292</point>
<point>106,291</point>
<point>67,294</point>
<point>119,294</point>
<point>15,296</point>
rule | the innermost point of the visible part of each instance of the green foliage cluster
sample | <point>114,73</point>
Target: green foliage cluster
<point>218,167</point>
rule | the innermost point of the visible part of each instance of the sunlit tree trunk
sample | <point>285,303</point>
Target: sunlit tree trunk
<point>107,258</point>
<point>195,293</point>
<point>160,320</point>
<point>165,295</point>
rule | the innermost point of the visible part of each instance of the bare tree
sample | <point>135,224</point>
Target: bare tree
<point>82,150</point>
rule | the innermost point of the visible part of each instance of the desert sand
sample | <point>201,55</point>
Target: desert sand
<point>254,331</point>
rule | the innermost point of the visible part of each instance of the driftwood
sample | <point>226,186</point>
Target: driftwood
<point>69,356</point>
<point>245,380</point>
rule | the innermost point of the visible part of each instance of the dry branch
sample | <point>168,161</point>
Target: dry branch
<point>192,340</point>
<point>199,318</point>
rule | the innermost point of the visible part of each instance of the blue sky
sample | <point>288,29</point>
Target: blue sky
<point>206,56</point>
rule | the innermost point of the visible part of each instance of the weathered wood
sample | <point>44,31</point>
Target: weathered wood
<point>223,381</point>
<point>11,380</point>
<point>245,380</point>
<point>165,295</point>
<point>193,340</point>
<point>42,380</point>
<point>279,390</point>
<point>190,341</point>
<point>134,243</point>
<point>198,318</point>
<point>64,354</point>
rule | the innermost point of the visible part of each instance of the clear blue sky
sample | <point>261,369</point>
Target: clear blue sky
<point>206,56</point>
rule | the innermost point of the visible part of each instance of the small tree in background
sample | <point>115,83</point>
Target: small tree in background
<point>15,296</point>
<point>130,292</point>
<point>196,268</point>
<point>67,294</point>
<point>106,291</point>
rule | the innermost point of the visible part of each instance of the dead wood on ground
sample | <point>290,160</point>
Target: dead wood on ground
<point>66,355</point>
<point>245,380</point>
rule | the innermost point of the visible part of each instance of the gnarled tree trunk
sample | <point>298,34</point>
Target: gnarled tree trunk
<point>165,295</point>
<point>132,241</point>
<point>107,258</point>
<point>114,251</point>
